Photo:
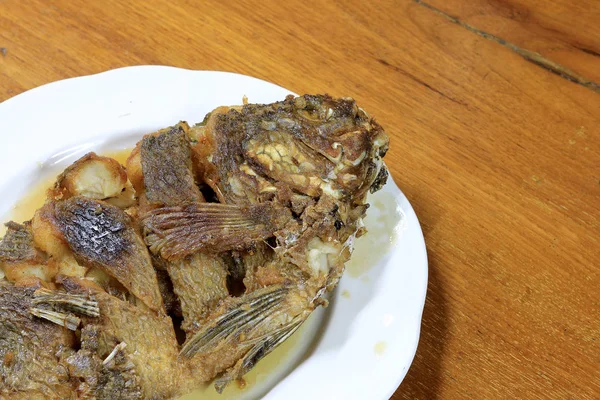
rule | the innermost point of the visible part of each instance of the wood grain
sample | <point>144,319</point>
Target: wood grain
<point>564,32</point>
<point>499,157</point>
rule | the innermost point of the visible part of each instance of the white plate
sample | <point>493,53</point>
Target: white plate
<point>368,336</point>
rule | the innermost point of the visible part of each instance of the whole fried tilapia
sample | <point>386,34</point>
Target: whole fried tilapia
<point>230,232</point>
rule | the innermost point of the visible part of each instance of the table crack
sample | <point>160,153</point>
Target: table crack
<point>528,55</point>
<point>419,81</point>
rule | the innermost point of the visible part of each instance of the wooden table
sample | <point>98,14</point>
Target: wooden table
<point>493,108</point>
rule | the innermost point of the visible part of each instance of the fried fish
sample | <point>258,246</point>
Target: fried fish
<point>194,261</point>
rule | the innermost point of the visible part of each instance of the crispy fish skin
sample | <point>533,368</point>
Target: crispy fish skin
<point>166,165</point>
<point>200,282</point>
<point>17,244</point>
<point>102,236</point>
<point>33,351</point>
<point>48,237</point>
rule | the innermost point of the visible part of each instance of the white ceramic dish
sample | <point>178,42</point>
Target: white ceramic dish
<point>369,334</point>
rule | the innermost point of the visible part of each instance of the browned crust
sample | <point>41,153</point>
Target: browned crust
<point>102,236</point>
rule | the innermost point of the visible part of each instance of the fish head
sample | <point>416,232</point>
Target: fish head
<point>317,145</point>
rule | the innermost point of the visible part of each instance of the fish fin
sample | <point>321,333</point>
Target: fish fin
<point>67,320</point>
<point>175,232</point>
<point>245,315</point>
<point>77,303</point>
<point>261,348</point>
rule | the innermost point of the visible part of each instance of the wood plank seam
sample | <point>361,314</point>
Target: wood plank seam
<point>528,55</point>
<point>419,81</point>
<point>588,51</point>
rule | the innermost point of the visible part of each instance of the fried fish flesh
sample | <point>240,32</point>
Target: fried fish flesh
<point>95,177</point>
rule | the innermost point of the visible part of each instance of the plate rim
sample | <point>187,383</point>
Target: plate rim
<point>407,207</point>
